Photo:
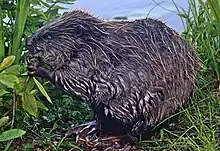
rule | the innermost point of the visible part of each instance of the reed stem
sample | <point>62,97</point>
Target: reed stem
<point>2,46</point>
<point>22,9</point>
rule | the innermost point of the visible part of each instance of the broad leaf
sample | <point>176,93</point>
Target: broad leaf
<point>3,92</point>
<point>3,121</point>
<point>11,134</point>
<point>14,70</point>
<point>9,80</point>
<point>22,84</point>
<point>29,103</point>
<point>43,91</point>
<point>41,106</point>
<point>2,86</point>
<point>30,85</point>
<point>7,62</point>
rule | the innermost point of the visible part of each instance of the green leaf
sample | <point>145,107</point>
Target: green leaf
<point>9,80</point>
<point>43,91</point>
<point>22,9</point>
<point>24,74</point>
<point>34,91</point>
<point>14,70</point>
<point>7,62</point>
<point>29,103</point>
<point>1,104</point>
<point>2,86</point>
<point>11,134</point>
<point>74,146</point>
<point>3,92</point>
<point>41,106</point>
<point>29,86</point>
<point>3,121</point>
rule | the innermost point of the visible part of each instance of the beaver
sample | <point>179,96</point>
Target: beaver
<point>133,74</point>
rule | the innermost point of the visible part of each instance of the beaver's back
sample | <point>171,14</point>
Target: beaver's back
<point>147,55</point>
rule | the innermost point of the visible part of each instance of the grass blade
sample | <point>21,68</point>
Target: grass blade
<point>43,91</point>
<point>214,8</point>
<point>2,46</point>
<point>22,10</point>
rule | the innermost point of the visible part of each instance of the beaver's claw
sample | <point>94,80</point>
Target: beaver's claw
<point>90,135</point>
<point>85,131</point>
<point>116,143</point>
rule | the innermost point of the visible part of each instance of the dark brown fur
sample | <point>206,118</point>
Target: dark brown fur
<point>133,74</point>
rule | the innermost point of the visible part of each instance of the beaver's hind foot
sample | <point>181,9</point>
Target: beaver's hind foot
<point>90,135</point>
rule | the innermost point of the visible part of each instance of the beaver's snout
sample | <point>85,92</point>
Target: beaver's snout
<point>35,69</point>
<point>32,70</point>
<point>32,65</point>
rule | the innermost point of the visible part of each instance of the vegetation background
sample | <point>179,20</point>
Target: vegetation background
<point>37,117</point>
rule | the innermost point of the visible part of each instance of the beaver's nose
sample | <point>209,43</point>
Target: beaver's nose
<point>32,65</point>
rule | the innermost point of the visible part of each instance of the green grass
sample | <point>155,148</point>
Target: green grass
<point>22,9</point>
<point>195,127</point>
<point>2,51</point>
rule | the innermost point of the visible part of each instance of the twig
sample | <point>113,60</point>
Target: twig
<point>13,110</point>
<point>12,121</point>
<point>8,145</point>
<point>54,3</point>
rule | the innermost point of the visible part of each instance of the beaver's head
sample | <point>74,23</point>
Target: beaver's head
<point>58,41</point>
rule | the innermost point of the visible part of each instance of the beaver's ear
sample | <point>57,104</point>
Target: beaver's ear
<point>79,30</point>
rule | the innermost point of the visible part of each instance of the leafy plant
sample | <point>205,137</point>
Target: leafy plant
<point>11,84</point>
<point>18,20</point>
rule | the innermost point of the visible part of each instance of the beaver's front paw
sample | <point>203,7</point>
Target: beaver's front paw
<point>32,70</point>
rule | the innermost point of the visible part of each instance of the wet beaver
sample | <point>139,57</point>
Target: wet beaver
<point>133,74</point>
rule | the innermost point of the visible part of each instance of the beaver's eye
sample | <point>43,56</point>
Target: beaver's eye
<point>49,37</point>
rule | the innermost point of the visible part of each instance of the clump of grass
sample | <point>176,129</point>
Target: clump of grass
<point>203,31</point>
<point>198,125</point>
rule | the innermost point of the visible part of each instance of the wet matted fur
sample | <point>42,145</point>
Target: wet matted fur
<point>132,73</point>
